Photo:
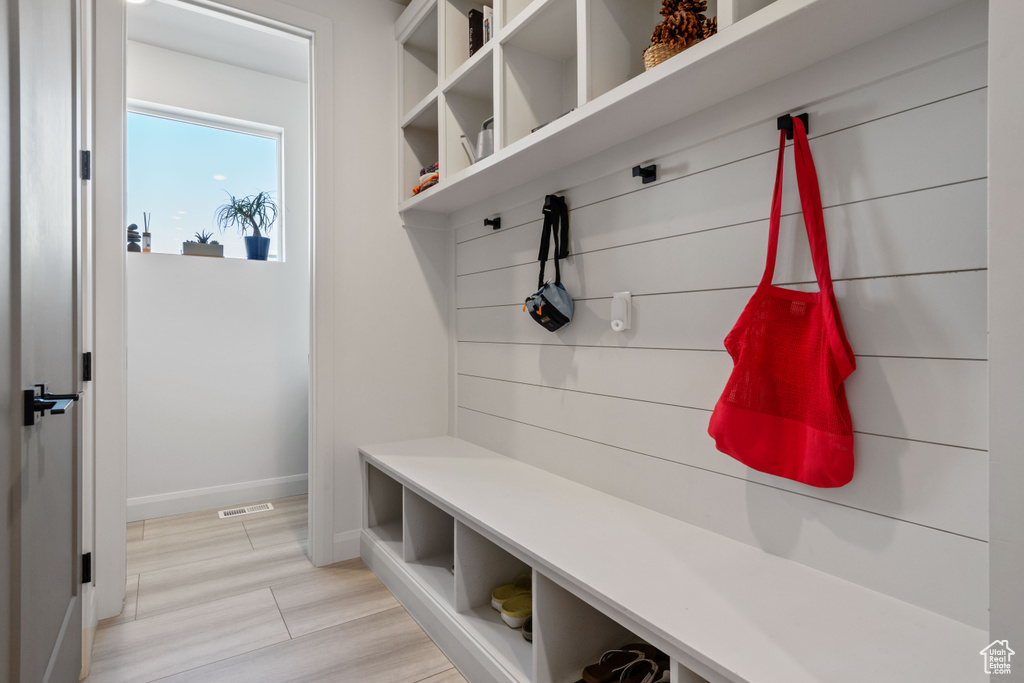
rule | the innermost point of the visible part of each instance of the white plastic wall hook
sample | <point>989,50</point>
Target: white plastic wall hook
<point>622,311</point>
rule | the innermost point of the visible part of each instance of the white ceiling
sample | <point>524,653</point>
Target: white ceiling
<point>202,33</point>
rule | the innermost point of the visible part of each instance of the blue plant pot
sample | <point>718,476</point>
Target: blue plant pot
<point>257,248</point>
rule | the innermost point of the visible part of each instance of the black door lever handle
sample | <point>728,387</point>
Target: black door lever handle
<point>60,397</point>
<point>43,401</point>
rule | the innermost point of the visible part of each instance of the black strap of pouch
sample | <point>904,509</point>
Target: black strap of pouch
<point>556,225</point>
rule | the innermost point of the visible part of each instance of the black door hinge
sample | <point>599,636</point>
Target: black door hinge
<point>87,366</point>
<point>87,568</point>
<point>86,165</point>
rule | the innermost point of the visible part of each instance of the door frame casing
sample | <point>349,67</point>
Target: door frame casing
<point>110,355</point>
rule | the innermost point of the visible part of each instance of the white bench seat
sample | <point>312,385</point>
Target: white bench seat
<point>723,609</point>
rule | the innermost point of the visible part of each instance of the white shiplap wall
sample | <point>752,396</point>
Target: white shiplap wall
<point>902,166</point>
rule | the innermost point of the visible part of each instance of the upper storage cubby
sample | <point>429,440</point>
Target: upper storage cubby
<point>420,146</point>
<point>513,8</point>
<point>457,31</point>
<point>469,103</point>
<point>618,32</point>
<point>418,61</point>
<point>731,11</point>
<point>540,67</point>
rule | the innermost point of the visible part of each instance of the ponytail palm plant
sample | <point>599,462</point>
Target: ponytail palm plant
<point>256,212</point>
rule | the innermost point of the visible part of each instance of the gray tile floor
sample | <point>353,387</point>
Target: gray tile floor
<point>236,599</point>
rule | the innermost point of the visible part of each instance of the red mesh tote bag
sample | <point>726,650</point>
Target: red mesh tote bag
<point>784,409</point>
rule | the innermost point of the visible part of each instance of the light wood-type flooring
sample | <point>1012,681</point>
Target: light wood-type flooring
<point>236,599</point>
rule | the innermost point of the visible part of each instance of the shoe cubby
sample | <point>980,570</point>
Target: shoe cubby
<point>480,567</point>
<point>469,101</point>
<point>420,146</point>
<point>680,674</point>
<point>419,62</point>
<point>429,548</point>
<point>539,69</point>
<point>569,634</point>
<point>456,31</point>
<point>384,509</point>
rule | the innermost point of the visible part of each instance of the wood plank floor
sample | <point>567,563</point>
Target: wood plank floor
<point>236,599</point>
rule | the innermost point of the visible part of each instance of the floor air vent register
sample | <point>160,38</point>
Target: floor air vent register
<point>247,510</point>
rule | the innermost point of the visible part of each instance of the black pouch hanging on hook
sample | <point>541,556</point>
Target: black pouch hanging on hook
<point>551,306</point>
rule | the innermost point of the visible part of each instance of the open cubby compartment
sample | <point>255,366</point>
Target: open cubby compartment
<point>540,70</point>
<point>419,146</point>
<point>513,8</point>
<point>618,32</point>
<point>469,102</point>
<point>680,674</point>
<point>456,31</point>
<point>569,634</point>
<point>429,550</point>
<point>481,566</point>
<point>419,62</point>
<point>731,11</point>
<point>384,509</point>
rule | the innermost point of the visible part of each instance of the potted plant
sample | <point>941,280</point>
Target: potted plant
<point>684,25</point>
<point>258,212</point>
<point>202,245</point>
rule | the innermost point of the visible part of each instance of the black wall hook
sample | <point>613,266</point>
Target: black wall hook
<point>786,124</point>
<point>648,173</point>
<point>495,223</point>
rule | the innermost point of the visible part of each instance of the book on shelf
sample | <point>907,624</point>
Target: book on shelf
<point>476,31</point>
<point>488,23</point>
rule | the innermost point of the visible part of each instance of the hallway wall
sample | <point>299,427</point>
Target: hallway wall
<point>218,348</point>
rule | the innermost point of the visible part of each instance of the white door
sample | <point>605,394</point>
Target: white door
<point>45,564</point>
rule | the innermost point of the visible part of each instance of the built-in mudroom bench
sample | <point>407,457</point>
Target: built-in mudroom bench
<point>447,521</point>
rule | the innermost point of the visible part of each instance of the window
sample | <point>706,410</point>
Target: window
<point>182,167</point>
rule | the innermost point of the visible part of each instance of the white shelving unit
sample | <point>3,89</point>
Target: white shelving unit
<point>607,572</point>
<point>550,57</point>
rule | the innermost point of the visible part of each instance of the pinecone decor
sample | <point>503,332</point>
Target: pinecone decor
<point>684,25</point>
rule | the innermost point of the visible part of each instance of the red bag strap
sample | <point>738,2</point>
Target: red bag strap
<point>776,216</point>
<point>814,222</point>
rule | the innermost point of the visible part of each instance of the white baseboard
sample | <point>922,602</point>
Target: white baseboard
<point>346,545</point>
<point>194,500</point>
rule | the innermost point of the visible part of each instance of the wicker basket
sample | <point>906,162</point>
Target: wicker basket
<point>659,52</point>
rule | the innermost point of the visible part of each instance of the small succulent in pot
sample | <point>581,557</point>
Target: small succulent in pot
<point>204,237</point>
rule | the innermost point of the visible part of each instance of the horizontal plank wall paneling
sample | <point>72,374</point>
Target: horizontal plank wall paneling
<point>945,498</point>
<point>902,167</point>
<point>925,399</point>
<point>871,550</point>
<point>936,316</point>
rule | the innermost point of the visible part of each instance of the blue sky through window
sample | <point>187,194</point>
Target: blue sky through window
<point>181,173</point>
